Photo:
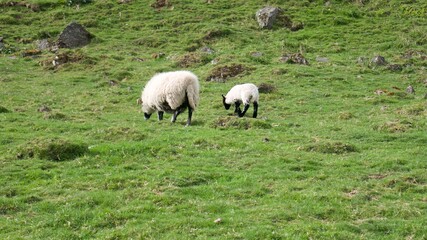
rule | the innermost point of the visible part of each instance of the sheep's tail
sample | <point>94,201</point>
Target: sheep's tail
<point>193,95</point>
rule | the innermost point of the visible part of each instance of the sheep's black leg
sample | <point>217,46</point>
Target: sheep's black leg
<point>175,114</point>
<point>244,110</point>
<point>147,116</point>
<point>190,113</point>
<point>160,114</point>
<point>255,109</point>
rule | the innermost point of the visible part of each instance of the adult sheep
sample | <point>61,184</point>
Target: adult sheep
<point>170,92</point>
<point>243,93</point>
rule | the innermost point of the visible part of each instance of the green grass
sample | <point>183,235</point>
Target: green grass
<point>327,158</point>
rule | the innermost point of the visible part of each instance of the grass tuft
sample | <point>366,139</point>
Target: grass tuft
<point>4,110</point>
<point>330,148</point>
<point>240,123</point>
<point>53,149</point>
<point>222,73</point>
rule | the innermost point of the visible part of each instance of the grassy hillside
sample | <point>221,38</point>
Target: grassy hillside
<point>338,150</point>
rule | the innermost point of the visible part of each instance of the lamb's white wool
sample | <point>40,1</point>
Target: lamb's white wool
<point>171,92</point>
<point>244,93</point>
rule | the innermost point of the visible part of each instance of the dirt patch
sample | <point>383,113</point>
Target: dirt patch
<point>415,54</point>
<point>55,116</point>
<point>329,148</point>
<point>33,7</point>
<point>395,126</point>
<point>158,4</point>
<point>239,123</point>
<point>266,88</point>
<point>54,149</point>
<point>66,58</point>
<point>217,33</point>
<point>295,58</point>
<point>190,59</point>
<point>31,53</point>
<point>221,74</point>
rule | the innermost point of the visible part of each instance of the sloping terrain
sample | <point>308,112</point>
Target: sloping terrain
<point>338,150</point>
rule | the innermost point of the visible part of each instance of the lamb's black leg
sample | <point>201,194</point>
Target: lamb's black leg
<point>190,113</point>
<point>244,110</point>
<point>160,114</point>
<point>255,109</point>
<point>237,109</point>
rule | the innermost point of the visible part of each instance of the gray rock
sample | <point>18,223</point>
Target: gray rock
<point>207,50</point>
<point>395,67</point>
<point>44,108</point>
<point>256,54</point>
<point>266,16</point>
<point>410,90</point>
<point>362,60</point>
<point>322,59</point>
<point>379,61</point>
<point>42,44</point>
<point>74,36</point>
<point>297,58</point>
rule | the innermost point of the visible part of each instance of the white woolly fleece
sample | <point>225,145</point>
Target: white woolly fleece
<point>245,93</point>
<point>171,88</point>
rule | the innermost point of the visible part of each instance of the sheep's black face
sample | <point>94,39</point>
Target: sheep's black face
<point>147,116</point>
<point>227,106</point>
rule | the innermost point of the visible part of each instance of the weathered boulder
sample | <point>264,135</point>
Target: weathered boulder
<point>74,36</point>
<point>266,16</point>
<point>378,61</point>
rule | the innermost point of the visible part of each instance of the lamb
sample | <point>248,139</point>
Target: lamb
<point>170,92</point>
<point>243,93</point>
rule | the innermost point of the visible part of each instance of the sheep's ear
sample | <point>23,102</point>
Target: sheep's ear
<point>223,96</point>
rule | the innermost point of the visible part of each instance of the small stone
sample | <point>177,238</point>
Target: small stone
<point>44,108</point>
<point>266,17</point>
<point>410,90</point>
<point>296,26</point>
<point>42,44</point>
<point>256,54</point>
<point>322,59</point>
<point>361,60</point>
<point>379,61</point>
<point>294,58</point>
<point>218,220</point>
<point>113,83</point>
<point>207,50</point>
<point>395,67</point>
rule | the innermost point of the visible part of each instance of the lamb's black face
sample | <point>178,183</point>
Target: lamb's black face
<point>227,106</point>
<point>147,116</point>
